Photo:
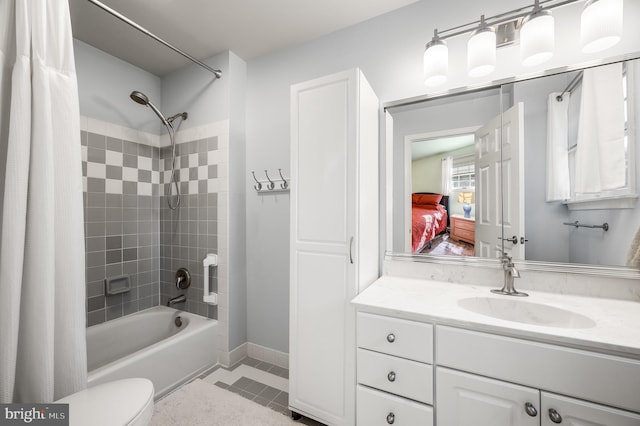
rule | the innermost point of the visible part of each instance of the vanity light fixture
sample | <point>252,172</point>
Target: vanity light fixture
<point>537,37</point>
<point>601,28</point>
<point>436,61</point>
<point>481,50</point>
<point>600,25</point>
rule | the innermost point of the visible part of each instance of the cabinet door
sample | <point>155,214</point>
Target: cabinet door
<point>558,409</point>
<point>467,400</point>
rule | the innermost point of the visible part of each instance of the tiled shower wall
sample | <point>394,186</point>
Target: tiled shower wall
<point>190,232</point>
<point>130,230</point>
<point>121,182</point>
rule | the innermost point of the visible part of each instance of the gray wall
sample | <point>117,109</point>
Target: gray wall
<point>104,85</point>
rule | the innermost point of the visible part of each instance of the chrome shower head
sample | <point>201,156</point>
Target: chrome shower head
<point>142,99</point>
<point>139,97</point>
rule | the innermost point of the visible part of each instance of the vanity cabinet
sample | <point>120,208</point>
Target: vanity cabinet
<point>531,377</point>
<point>470,400</point>
<point>395,371</point>
<point>333,238</point>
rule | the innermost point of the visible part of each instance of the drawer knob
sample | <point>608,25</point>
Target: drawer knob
<point>391,338</point>
<point>391,376</point>
<point>391,418</point>
<point>555,416</point>
<point>530,409</point>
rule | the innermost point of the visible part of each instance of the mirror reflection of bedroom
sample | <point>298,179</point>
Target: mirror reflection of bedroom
<point>443,194</point>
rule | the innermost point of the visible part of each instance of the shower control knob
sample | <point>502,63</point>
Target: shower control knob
<point>391,376</point>
<point>391,338</point>
<point>391,418</point>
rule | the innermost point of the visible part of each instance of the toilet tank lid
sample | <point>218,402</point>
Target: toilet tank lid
<point>114,403</point>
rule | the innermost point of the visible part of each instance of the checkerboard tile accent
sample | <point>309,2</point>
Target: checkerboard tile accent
<point>196,166</point>
<point>114,166</point>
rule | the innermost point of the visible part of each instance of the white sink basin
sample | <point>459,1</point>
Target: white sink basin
<point>517,310</point>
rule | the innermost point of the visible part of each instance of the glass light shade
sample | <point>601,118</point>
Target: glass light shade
<point>601,25</point>
<point>481,52</point>
<point>537,38</point>
<point>436,63</point>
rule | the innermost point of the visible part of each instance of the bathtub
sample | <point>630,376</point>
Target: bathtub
<point>149,344</point>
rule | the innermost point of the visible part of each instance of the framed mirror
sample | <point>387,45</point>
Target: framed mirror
<point>428,157</point>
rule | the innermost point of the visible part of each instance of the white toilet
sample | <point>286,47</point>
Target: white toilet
<point>121,402</point>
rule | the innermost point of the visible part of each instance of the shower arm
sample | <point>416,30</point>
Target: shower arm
<point>143,30</point>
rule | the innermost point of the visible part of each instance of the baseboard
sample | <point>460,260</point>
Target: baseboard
<point>229,359</point>
<point>264,354</point>
<point>251,350</point>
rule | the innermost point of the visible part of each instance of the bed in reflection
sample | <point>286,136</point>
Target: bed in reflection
<point>430,218</point>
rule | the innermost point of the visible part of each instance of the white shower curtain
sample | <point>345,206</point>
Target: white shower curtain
<point>42,276</point>
<point>558,177</point>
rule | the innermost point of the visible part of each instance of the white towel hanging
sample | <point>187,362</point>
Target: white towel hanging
<point>600,156</point>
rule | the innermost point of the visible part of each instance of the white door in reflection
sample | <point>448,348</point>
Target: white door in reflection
<point>490,213</point>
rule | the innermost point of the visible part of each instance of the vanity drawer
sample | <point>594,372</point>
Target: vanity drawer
<point>375,408</point>
<point>407,339</point>
<point>595,377</point>
<point>399,376</point>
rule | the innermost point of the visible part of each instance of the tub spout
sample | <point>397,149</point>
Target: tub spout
<point>178,299</point>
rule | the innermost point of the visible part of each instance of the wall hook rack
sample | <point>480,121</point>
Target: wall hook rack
<point>269,185</point>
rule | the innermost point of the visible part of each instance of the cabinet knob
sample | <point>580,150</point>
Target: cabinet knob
<point>555,416</point>
<point>391,418</point>
<point>391,376</point>
<point>530,409</point>
<point>391,338</point>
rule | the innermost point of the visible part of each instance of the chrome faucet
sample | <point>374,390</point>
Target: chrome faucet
<point>510,272</point>
<point>178,299</point>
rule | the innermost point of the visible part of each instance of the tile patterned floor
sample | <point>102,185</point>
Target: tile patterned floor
<point>263,383</point>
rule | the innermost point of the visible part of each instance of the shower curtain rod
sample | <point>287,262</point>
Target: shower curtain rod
<point>143,30</point>
<point>572,85</point>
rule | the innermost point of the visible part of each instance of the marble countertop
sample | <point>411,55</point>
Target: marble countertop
<point>615,328</point>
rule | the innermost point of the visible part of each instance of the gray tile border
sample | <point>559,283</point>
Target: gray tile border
<point>255,387</point>
<point>282,399</point>
<point>269,393</point>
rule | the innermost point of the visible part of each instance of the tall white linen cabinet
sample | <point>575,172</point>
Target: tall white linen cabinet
<point>334,238</point>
